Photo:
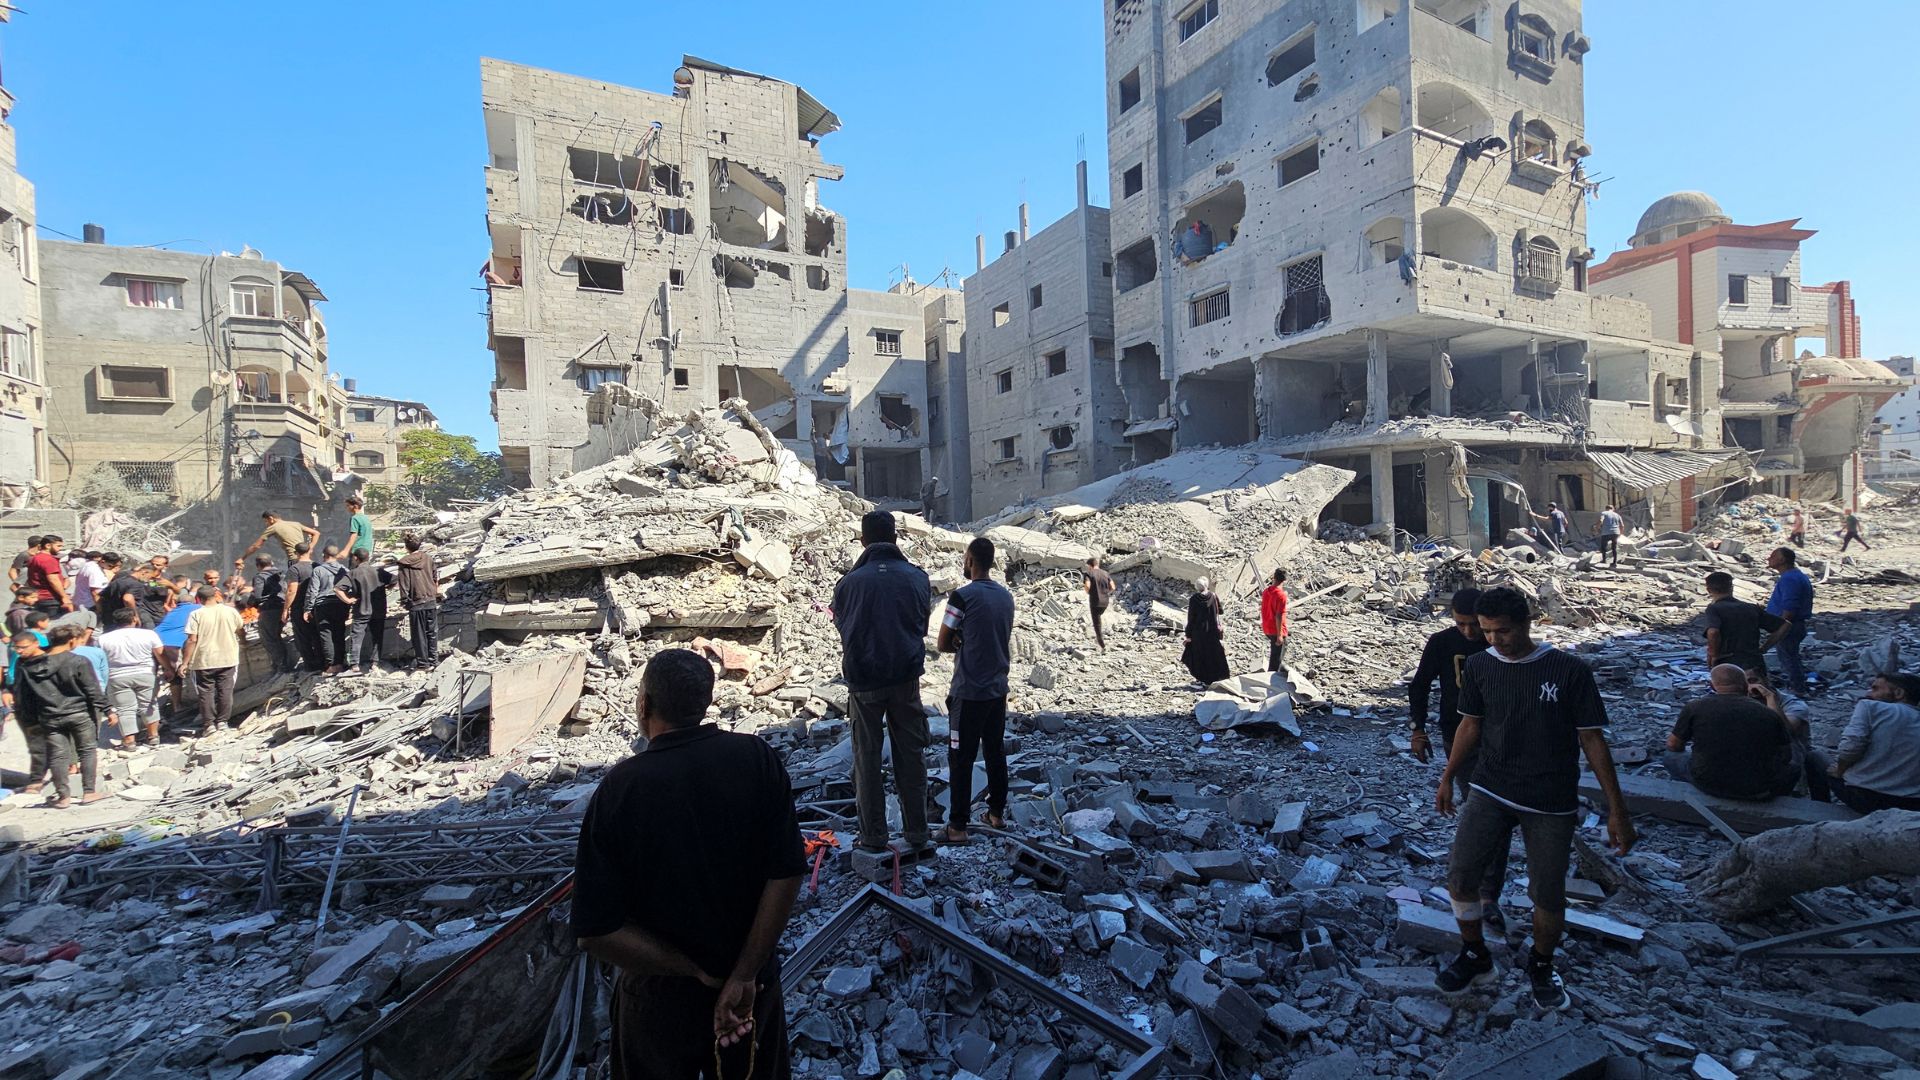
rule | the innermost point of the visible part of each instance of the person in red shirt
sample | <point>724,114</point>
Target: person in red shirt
<point>46,578</point>
<point>1273,621</point>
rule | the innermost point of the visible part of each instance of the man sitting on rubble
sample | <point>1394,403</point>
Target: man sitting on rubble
<point>1741,748</point>
<point>1529,710</point>
<point>689,861</point>
<point>1444,655</point>
<point>881,608</point>
<point>1734,626</point>
<point>1878,767</point>
<point>977,629</point>
<point>1813,764</point>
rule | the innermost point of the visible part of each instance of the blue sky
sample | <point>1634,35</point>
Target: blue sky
<point>345,140</point>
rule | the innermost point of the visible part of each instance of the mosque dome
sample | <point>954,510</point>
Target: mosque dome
<point>1676,215</point>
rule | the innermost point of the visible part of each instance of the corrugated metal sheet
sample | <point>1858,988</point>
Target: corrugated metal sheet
<point>1658,468</point>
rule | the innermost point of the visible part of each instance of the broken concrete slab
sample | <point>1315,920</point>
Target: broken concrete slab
<point>1136,962</point>
<point>1668,799</point>
<point>1428,930</point>
<point>1429,1013</point>
<point>1288,820</point>
<point>389,936</point>
<point>1531,1050</point>
<point>1229,865</point>
<point>531,697</point>
<point>767,557</point>
<point>1226,1006</point>
<point>269,1038</point>
<point>1290,1021</point>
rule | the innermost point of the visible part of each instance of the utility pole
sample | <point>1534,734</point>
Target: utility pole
<point>226,459</point>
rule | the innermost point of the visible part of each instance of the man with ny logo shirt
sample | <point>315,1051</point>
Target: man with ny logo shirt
<point>1529,710</point>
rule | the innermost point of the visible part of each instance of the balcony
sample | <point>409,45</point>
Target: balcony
<point>284,339</point>
<point>510,413</point>
<point>507,310</point>
<point>503,194</point>
<point>278,418</point>
<point>1805,310</point>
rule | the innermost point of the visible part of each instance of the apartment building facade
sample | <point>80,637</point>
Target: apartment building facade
<point>1358,228</point>
<point>23,384</point>
<point>1044,407</point>
<point>163,365</point>
<point>677,244</point>
<point>949,455</point>
<point>374,429</point>
<point>1736,290</point>
<point>1896,436</point>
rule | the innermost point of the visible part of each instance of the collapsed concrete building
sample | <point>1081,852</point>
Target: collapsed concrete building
<point>676,245</point>
<point>1736,289</point>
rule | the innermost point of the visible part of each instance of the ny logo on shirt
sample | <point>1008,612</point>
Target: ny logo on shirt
<point>1549,691</point>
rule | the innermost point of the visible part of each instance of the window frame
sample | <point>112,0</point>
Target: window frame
<point>1204,304</point>
<point>881,342</point>
<point>1047,362</point>
<point>254,291</point>
<point>1036,296</point>
<point>1746,290</point>
<point>105,391</point>
<point>1006,448</point>
<point>354,411</point>
<point>1133,180</point>
<point>1280,163</point>
<point>582,273</point>
<point>1053,444</point>
<point>1003,381</point>
<point>19,364</point>
<point>1782,291</point>
<point>1003,313</point>
<point>1217,99</point>
<point>1208,11</point>
<point>1310,36</point>
<point>178,286</point>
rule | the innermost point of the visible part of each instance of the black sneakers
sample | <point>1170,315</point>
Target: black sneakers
<point>1473,967</point>
<point>1549,992</point>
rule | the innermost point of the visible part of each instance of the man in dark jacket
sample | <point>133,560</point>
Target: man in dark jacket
<point>270,601</point>
<point>326,612</point>
<point>364,591</point>
<point>59,693</point>
<point>882,607</point>
<point>419,585</point>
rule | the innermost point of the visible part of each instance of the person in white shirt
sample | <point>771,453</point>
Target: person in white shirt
<point>132,653</point>
<point>88,579</point>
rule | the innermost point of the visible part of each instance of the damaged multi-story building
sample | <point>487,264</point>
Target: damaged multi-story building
<point>376,427</point>
<point>177,372</point>
<point>1358,229</point>
<point>676,245</point>
<point>1042,393</point>
<point>1736,290</point>
<point>23,383</point>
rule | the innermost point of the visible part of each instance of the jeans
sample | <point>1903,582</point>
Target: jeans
<point>67,736</point>
<point>330,620</point>
<point>1610,547</point>
<point>976,726</point>
<point>306,640</point>
<point>423,627</point>
<point>131,691</point>
<point>1792,671</point>
<point>1277,653</point>
<point>1867,800</point>
<point>896,713</point>
<point>271,624</point>
<point>216,695</point>
<point>1486,830</point>
<point>37,749</point>
<point>363,642</point>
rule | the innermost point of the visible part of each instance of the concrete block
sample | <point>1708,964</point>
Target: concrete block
<point>452,897</point>
<point>389,936</point>
<point>1173,866</point>
<point>271,1037</point>
<point>1136,962</point>
<point>1428,930</point>
<point>1132,820</point>
<point>1530,1050</point>
<point>1395,982</point>
<point>1226,1006</point>
<point>1155,926</point>
<point>1429,1013</point>
<point>1290,1021</point>
<point>298,1005</point>
<point>1249,808</point>
<point>1343,1065</point>
<point>1288,820</point>
<point>1221,865</point>
<point>1315,873</point>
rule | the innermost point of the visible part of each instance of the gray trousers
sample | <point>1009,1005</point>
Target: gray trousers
<point>131,692</point>
<point>893,713</point>
<point>216,695</point>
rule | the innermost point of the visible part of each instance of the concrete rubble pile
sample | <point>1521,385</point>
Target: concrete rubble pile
<point>1247,876</point>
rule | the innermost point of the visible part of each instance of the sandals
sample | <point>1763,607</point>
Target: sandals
<point>996,821</point>
<point>951,837</point>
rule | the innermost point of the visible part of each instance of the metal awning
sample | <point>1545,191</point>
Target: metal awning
<point>1658,468</point>
<point>303,285</point>
<point>1145,427</point>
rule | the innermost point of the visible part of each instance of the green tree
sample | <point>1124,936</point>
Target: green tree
<point>442,467</point>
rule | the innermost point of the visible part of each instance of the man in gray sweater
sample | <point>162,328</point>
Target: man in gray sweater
<point>58,692</point>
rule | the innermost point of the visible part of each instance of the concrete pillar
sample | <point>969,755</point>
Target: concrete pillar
<point>979,251</point>
<point>1023,223</point>
<point>1382,469</point>
<point>1081,182</point>
<point>1440,378</point>
<point>1377,408</point>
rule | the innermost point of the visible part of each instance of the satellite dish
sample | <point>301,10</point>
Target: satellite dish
<point>222,378</point>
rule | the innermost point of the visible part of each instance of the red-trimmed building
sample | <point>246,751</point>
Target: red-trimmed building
<point>1736,290</point>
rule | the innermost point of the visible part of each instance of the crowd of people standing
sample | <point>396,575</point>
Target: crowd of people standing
<point>103,647</point>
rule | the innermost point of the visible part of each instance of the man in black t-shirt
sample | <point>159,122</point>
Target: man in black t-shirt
<point>1445,654</point>
<point>690,858</point>
<point>1530,710</point>
<point>296,585</point>
<point>977,629</point>
<point>154,597</point>
<point>1741,748</point>
<point>1734,627</point>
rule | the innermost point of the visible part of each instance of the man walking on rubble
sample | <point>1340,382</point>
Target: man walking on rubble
<point>1734,626</point>
<point>1850,531</point>
<point>1529,710</point>
<point>977,629</point>
<point>1611,526</point>
<point>1797,528</point>
<point>688,864</point>
<point>1273,620</point>
<point>881,608</point>
<point>1559,526</point>
<point>1100,587</point>
<point>1792,600</point>
<point>1446,652</point>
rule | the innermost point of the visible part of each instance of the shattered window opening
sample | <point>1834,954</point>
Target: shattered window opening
<point>817,278</point>
<point>1291,58</point>
<point>1056,363</point>
<point>1137,265</point>
<point>1003,381</point>
<point>1003,313</point>
<point>897,415</point>
<point>1133,181</point>
<point>1306,305</point>
<point>604,208</point>
<point>675,220</point>
<point>1300,164</point>
<point>599,276</point>
<point>605,169</point>
<point>1203,120</point>
<point>682,378</point>
<point>1129,89</point>
<point>1061,438</point>
<point>1217,215</point>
